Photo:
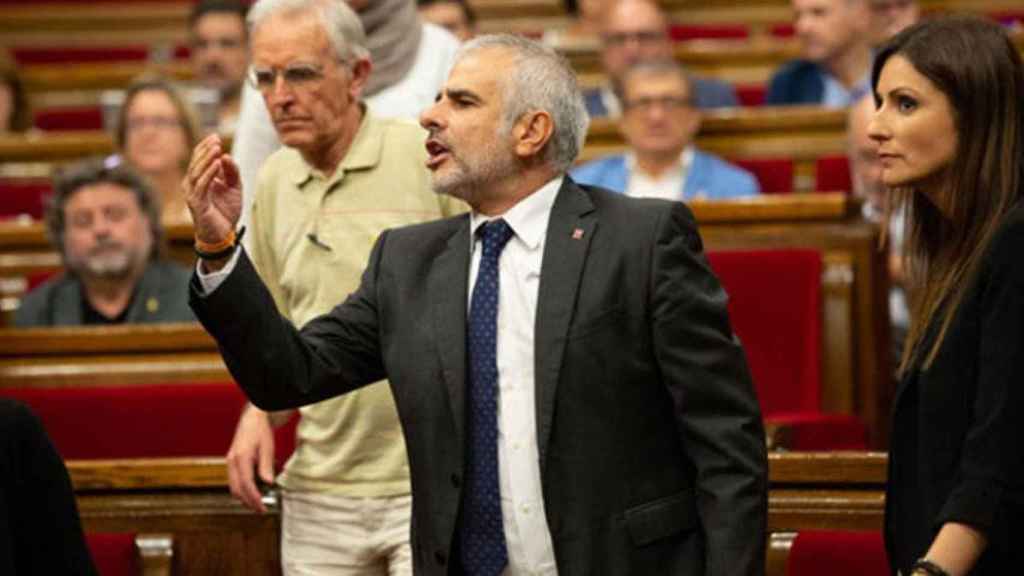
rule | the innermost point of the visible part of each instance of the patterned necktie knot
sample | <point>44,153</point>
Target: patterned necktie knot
<point>494,235</point>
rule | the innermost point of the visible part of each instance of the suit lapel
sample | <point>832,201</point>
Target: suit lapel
<point>448,287</point>
<point>570,231</point>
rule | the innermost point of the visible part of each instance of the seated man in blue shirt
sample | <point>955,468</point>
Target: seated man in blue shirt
<point>836,43</point>
<point>634,31</point>
<point>659,122</point>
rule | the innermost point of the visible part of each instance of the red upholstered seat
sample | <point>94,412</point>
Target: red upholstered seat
<point>774,174</point>
<point>151,421</point>
<point>837,553</point>
<point>681,32</point>
<point>751,94</point>
<point>70,118</point>
<point>113,553</point>
<point>78,54</point>
<point>28,55</point>
<point>786,30</point>
<point>832,174</point>
<point>775,310</point>
<point>23,197</point>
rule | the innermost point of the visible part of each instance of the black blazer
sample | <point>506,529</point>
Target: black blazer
<point>651,444</point>
<point>957,448</point>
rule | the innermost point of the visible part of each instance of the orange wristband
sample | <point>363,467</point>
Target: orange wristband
<point>218,247</point>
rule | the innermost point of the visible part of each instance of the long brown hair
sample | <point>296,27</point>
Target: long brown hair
<point>974,63</point>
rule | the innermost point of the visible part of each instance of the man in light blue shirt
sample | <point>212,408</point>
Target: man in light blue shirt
<point>659,123</point>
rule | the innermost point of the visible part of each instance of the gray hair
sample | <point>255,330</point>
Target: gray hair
<point>342,25</point>
<point>72,178</point>
<point>541,80</point>
<point>659,67</point>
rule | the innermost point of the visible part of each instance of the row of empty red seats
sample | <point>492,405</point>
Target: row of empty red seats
<point>151,421</point>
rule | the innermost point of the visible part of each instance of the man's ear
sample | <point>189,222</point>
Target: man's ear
<point>360,73</point>
<point>532,132</point>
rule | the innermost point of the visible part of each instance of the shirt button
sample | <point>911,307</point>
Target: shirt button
<point>516,446</point>
<point>526,509</point>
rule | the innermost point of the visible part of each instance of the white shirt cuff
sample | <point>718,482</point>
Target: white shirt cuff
<point>210,281</point>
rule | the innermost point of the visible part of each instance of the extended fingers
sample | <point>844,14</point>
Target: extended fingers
<point>206,152</point>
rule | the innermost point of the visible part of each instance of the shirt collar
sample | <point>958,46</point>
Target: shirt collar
<point>364,152</point>
<point>685,159</point>
<point>528,218</point>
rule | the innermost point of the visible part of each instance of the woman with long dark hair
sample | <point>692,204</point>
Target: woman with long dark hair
<point>950,131</point>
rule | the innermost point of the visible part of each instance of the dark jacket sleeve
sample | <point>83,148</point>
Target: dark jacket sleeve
<point>990,480</point>
<point>797,82</point>
<point>279,367</point>
<point>716,408</point>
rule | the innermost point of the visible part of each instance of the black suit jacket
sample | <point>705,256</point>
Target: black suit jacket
<point>957,443</point>
<point>650,438</point>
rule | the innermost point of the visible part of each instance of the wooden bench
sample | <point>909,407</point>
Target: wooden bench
<point>109,356</point>
<point>187,498</point>
<point>212,533</point>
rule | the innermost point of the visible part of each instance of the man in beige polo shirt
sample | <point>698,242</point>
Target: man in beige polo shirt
<point>342,178</point>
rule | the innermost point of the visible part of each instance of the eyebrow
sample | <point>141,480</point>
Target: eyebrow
<point>903,90</point>
<point>462,94</point>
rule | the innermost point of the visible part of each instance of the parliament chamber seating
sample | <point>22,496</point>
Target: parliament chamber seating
<point>143,421</point>
<point>775,306</point>
<point>775,175</point>
<point>23,197</point>
<point>69,118</point>
<point>131,554</point>
<point>837,553</point>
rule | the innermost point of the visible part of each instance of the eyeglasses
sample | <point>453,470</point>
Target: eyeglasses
<point>296,76</point>
<point>138,123</point>
<point>644,38</point>
<point>647,103</point>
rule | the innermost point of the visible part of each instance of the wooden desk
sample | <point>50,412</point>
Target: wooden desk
<point>188,498</point>
<point>109,356</point>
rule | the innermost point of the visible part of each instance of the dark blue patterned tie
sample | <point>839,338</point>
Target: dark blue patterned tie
<point>483,535</point>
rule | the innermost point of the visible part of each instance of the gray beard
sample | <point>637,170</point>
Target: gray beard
<point>470,181</point>
<point>113,265</point>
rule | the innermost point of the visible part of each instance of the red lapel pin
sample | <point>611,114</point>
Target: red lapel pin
<point>577,234</point>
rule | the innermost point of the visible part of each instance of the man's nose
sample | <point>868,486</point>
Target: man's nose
<point>430,118</point>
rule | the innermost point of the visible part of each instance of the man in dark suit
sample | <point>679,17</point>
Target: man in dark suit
<point>572,397</point>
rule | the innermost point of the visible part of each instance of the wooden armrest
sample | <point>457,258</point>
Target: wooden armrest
<point>779,546</point>
<point>156,553</point>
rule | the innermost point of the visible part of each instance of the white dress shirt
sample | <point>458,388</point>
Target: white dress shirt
<point>527,535</point>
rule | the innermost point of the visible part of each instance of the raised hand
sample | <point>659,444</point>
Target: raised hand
<point>213,191</point>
